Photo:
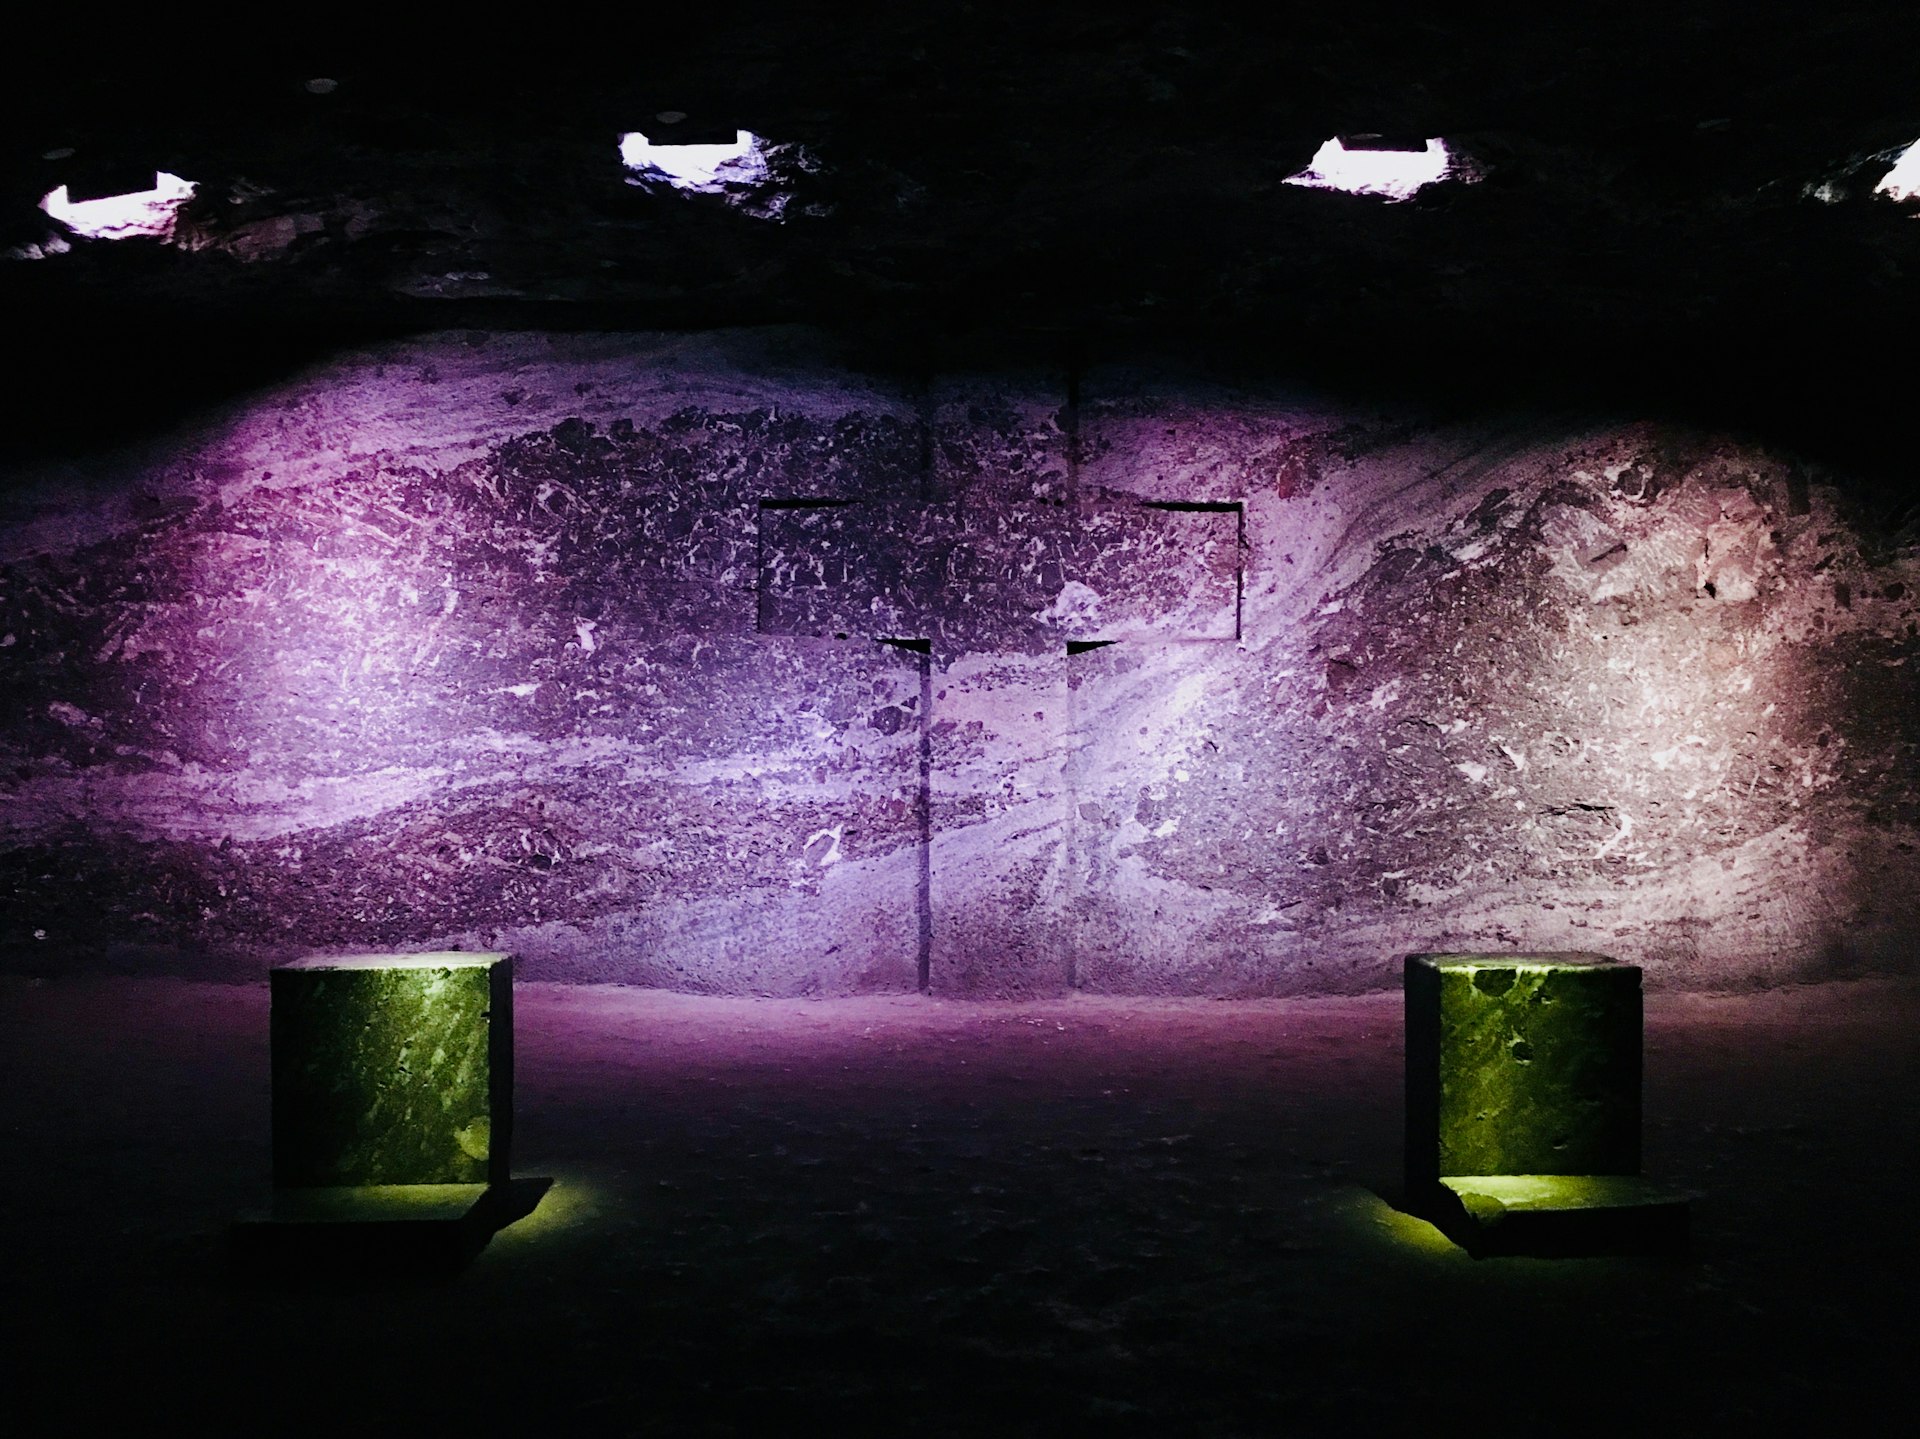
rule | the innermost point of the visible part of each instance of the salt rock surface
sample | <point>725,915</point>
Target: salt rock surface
<point>716,664</point>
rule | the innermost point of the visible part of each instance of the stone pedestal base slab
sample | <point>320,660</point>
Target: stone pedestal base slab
<point>1561,1214</point>
<point>381,1228</point>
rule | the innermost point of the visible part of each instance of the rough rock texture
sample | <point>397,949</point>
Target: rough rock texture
<point>1522,1064</point>
<point>393,1070</point>
<point>1146,685</point>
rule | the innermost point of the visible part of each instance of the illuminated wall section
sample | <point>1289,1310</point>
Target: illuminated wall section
<point>715,664</point>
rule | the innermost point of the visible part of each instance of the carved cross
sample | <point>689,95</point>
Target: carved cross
<point>962,586</point>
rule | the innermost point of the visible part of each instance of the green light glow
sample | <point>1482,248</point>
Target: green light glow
<point>1522,1193</point>
<point>1369,1220</point>
<point>378,1203</point>
<point>572,1205</point>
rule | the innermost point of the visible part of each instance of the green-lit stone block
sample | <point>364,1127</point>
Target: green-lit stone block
<point>393,1069</point>
<point>1524,1064</point>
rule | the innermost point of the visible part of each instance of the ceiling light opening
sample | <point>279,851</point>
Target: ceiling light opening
<point>1360,166</point>
<point>121,217</point>
<point>703,169</point>
<point>1902,182</point>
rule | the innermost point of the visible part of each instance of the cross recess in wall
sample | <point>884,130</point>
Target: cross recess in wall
<point>946,580</point>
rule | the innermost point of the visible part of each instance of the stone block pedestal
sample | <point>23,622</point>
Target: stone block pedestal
<point>393,1069</point>
<point>1521,1064</point>
<point>1523,1104</point>
<point>392,1111</point>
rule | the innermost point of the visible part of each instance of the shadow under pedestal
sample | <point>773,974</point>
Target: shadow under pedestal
<point>372,1229</point>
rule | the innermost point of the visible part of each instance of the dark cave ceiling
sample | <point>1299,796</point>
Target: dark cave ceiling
<point>984,189</point>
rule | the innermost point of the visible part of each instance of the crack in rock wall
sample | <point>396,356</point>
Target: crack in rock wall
<point>711,663</point>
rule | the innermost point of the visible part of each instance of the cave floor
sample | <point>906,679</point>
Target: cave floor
<point>893,1214</point>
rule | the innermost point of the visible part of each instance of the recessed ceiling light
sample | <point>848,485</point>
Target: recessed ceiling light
<point>121,217</point>
<point>1394,174</point>
<point>1902,182</point>
<point>708,169</point>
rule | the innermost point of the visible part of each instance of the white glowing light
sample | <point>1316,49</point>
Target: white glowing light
<point>1902,182</point>
<point>704,168</point>
<point>120,217</point>
<point>1396,174</point>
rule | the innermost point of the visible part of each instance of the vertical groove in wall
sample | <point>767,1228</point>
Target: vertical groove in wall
<point>924,881</point>
<point>1071,423</point>
<point>1239,570</point>
<point>1071,944</point>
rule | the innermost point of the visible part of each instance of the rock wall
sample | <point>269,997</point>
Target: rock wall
<point>713,664</point>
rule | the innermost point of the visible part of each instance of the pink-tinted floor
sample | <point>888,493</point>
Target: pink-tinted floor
<point>907,1215</point>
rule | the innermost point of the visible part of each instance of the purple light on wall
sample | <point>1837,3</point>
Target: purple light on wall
<point>1395,174</point>
<point>121,217</point>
